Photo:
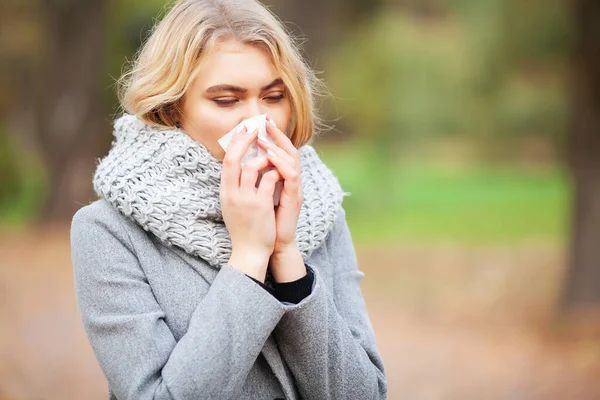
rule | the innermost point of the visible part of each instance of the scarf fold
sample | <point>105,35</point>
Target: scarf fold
<point>169,184</point>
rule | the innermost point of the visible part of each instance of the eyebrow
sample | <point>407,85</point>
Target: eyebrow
<point>238,89</point>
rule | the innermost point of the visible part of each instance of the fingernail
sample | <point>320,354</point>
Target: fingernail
<point>272,122</point>
<point>263,139</point>
<point>271,153</point>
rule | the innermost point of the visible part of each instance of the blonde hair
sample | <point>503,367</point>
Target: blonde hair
<point>165,66</point>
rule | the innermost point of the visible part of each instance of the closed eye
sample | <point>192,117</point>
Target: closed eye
<point>225,102</point>
<point>229,102</point>
<point>275,98</point>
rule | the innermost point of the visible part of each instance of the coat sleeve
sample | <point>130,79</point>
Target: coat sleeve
<point>126,326</point>
<point>328,340</point>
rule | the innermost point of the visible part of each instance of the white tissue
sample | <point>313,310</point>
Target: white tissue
<point>259,122</point>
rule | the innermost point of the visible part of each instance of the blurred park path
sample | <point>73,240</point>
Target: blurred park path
<point>451,323</point>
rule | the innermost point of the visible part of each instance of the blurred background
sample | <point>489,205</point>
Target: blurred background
<point>467,131</point>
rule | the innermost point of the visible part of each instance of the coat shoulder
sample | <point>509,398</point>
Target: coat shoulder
<point>101,209</point>
<point>101,216</point>
<point>101,212</point>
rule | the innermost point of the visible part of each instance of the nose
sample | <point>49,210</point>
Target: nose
<point>254,108</point>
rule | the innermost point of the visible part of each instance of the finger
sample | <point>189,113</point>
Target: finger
<point>230,175</point>
<point>280,138</point>
<point>290,174</point>
<point>279,152</point>
<point>249,174</point>
<point>267,184</point>
<point>232,161</point>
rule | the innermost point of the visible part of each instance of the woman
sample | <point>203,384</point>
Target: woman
<point>190,282</point>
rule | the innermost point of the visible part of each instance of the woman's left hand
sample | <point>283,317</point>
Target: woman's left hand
<point>285,157</point>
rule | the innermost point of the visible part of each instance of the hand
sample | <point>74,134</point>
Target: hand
<point>285,157</point>
<point>248,211</point>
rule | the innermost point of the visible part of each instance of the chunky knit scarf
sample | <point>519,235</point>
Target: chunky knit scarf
<point>169,184</point>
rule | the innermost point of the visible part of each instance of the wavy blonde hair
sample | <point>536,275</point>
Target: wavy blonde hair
<point>166,64</point>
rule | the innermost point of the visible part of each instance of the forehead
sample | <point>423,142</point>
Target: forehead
<point>236,63</point>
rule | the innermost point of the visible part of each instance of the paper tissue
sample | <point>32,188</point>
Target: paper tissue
<point>259,122</point>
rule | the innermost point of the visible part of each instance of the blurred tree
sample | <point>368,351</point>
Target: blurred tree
<point>319,23</point>
<point>19,31</point>
<point>489,73</point>
<point>70,115</point>
<point>583,279</point>
<point>313,29</point>
<point>9,173</point>
<point>56,108</point>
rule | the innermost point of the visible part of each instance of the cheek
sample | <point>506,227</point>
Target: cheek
<point>207,123</point>
<point>281,116</point>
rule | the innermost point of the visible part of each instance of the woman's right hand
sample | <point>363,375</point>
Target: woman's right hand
<point>248,211</point>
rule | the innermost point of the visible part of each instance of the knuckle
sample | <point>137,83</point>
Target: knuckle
<point>297,202</point>
<point>248,167</point>
<point>228,162</point>
<point>271,176</point>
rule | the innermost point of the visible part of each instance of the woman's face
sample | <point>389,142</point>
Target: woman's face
<point>236,81</point>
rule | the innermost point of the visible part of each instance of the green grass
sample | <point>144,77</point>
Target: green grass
<point>429,202</point>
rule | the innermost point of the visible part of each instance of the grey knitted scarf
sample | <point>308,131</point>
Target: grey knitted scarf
<point>169,184</point>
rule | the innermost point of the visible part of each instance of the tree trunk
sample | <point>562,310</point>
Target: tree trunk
<point>70,113</point>
<point>312,20</point>
<point>582,291</point>
<point>321,21</point>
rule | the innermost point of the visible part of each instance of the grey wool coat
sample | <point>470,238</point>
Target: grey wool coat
<point>165,325</point>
